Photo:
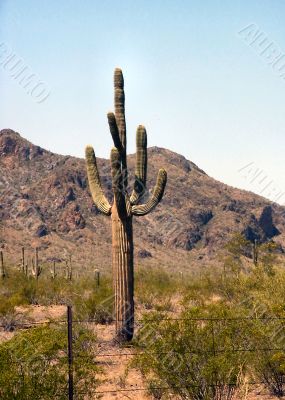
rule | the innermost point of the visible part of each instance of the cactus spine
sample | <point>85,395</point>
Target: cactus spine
<point>124,206</point>
<point>36,268</point>
<point>2,266</point>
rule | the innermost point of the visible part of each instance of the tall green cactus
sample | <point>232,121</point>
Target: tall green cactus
<point>124,206</point>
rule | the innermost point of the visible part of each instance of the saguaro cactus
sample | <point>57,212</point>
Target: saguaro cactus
<point>124,206</point>
<point>97,277</point>
<point>53,270</point>
<point>36,268</point>
<point>255,252</point>
<point>68,269</point>
<point>23,260</point>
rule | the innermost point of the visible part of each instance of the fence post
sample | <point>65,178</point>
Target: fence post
<point>2,266</point>
<point>70,355</point>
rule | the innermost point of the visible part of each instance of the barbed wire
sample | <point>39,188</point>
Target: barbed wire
<point>156,320</point>
<point>170,387</point>
<point>98,355</point>
<point>252,350</point>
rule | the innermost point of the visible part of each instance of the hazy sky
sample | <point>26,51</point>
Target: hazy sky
<point>196,83</point>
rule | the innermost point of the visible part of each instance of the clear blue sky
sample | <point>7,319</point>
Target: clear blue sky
<point>190,78</point>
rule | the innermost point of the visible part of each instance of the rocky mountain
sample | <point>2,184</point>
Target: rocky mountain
<point>45,202</point>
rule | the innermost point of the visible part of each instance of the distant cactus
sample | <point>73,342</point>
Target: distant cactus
<point>36,268</point>
<point>53,271</point>
<point>2,266</point>
<point>124,206</point>
<point>97,277</point>
<point>23,260</point>
<point>23,265</point>
<point>68,269</point>
<point>26,270</point>
<point>255,253</point>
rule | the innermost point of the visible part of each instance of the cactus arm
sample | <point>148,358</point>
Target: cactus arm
<point>94,182</point>
<point>115,132</point>
<point>117,182</point>
<point>119,101</point>
<point>157,194</point>
<point>120,105</point>
<point>141,165</point>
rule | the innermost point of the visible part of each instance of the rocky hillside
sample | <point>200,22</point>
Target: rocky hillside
<point>45,202</point>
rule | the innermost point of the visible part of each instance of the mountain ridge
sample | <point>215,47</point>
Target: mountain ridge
<point>45,202</point>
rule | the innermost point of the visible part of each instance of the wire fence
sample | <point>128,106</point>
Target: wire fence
<point>100,354</point>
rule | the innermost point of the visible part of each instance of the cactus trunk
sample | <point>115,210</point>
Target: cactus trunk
<point>123,274</point>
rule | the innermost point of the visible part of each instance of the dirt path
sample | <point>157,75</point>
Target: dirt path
<point>115,360</point>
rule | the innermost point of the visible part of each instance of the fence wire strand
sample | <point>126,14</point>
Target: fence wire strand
<point>97,355</point>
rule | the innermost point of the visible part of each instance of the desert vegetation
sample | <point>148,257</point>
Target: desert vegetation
<point>213,335</point>
<point>33,364</point>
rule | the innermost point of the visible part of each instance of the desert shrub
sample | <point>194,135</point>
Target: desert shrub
<point>269,359</point>
<point>33,364</point>
<point>239,246</point>
<point>164,304</point>
<point>28,291</point>
<point>47,291</point>
<point>271,370</point>
<point>195,358</point>
<point>155,287</point>
<point>16,284</point>
<point>95,304</point>
<point>54,291</point>
<point>9,317</point>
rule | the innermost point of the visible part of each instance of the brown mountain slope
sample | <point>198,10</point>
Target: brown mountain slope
<point>45,202</point>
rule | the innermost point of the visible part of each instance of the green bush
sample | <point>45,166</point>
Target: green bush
<point>33,364</point>
<point>95,304</point>
<point>9,317</point>
<point>195,358</point>
<point>47,291</point>
<point>155,287</point>
<point>271,371</point>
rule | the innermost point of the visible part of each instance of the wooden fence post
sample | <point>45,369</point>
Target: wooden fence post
<point>70,355</point>
<point>2,266</point>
